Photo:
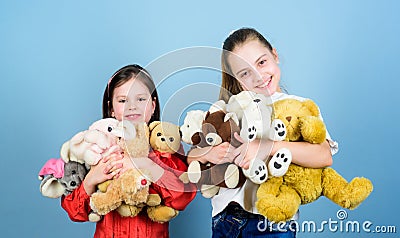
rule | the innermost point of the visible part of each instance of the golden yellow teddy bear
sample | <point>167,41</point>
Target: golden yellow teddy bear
<point>279,198</point>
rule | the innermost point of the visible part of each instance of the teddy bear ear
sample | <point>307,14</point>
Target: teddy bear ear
<point>233,116</point>
<point>154,124</point>
<point>218,106</point>
<point>310,105</point>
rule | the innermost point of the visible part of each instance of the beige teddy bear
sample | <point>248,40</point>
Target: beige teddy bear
<point>280,197</point>
<point>129,193</point>
<point>165,140</point>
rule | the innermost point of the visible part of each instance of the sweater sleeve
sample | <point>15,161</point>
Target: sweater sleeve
<point>172,190</point>
<point>77,205</point>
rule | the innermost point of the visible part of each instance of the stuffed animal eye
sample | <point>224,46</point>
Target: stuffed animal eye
<point>109,129</point>
<point>256,100</point>
<point>171,139</point>
<point>159,134</point>
<point>73,172</point>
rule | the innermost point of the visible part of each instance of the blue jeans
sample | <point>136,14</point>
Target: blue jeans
<point>226,224</point>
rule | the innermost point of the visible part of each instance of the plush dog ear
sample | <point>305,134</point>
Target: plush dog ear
<point>196,138</point>
<point>218,106</point>
<point>51,187</point>
<point>233,116</point>
<point>199,140</point>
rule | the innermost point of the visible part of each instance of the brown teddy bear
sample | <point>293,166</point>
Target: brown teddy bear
<point>165,140</point>
<point>217,127</point>
<point>129,193</point>
<point>280,197</point>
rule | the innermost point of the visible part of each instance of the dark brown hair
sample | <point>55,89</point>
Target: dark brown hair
<point>230,85</point>
<point>122,76</point>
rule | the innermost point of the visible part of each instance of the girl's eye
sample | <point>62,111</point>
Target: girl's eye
<point>142,99</point>
<point>244,74</point>
<point>262,62</point>
<point>122,101</point>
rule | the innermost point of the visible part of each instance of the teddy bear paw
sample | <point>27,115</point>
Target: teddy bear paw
<point>161,213</point>
<point>249,133</point>
<point>257,171</point>
<point>126,210</point>
<point>279,163</point>
<point>153,200</point>
<point>231,176</point>
<point>278,130</point>
<point>194,171</point>
<point>209,191</point>
<point>94,217</point>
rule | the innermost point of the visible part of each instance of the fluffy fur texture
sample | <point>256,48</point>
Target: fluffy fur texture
<point>128,194</point>
<point>165,140</point>
<point>217,127</point>
<point>132,188</point>
<point>254,113</point>
<point>280,197</point>
<point>91,145</point>
<point>72,175</point>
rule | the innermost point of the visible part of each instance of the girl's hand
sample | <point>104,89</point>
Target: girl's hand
<point>219,154</point>
<point>105,169</point>
<point>243,155</point>
<point>145,163</point>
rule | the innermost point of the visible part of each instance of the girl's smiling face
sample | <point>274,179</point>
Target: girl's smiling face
<point>132,101</point>
<point>256,67</point>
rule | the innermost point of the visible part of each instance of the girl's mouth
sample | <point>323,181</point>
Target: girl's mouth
<point>265,84</point>
<point>132,117</point>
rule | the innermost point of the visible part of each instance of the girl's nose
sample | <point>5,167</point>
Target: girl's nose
<point>131,106</point>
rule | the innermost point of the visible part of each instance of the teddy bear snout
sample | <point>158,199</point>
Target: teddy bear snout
<point>213,139</point>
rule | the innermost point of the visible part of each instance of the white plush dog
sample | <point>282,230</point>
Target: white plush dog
<point>254,112</point>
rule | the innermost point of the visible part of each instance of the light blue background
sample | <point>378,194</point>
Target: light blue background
<point>56,58</point>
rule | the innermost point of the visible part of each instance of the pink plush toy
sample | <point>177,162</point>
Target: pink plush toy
<point>93,144</point>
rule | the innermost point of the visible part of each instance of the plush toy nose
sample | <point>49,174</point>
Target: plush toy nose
<point>163,139</point>
<point>73,183</point>
<point>143,182</point>
<point>289,118</point>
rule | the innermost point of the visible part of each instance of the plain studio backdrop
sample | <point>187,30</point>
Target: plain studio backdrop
<point>56,58</point>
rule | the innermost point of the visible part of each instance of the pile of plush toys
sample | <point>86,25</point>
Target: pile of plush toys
<point>128,194</point>
<point>283,186</point>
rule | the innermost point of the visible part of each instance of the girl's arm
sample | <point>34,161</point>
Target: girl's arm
<point>306,154</point>
<point>171,189</point>
<point>77,204</point>
<point>215,154</point>
<point>303,153</point>
<point>106,169</point>
<point>173,192</point>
